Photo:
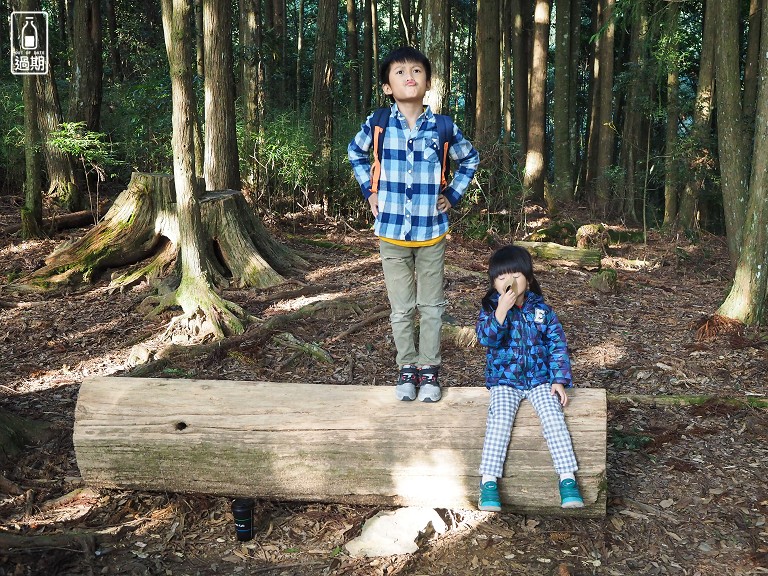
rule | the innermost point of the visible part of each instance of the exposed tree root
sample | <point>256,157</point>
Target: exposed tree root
<point>256,333</point>
<point>717,325</point>
<point>372,316</point>
<point>206,314</point>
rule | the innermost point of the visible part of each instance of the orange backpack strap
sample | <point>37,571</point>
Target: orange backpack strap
<point>445,135</point>
<point>379,121</point>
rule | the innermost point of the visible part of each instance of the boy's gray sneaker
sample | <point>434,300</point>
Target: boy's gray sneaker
<point>429,385</point>
<point>406,383</point>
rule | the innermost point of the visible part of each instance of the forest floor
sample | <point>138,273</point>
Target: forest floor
<point>687,491</point>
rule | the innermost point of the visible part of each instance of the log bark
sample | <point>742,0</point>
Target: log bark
<point>586,258</point>
<point>324,443</point>
<point>62,221</point>
<point>142,223</point>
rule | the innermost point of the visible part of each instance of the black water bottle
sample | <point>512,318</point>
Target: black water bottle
<point>242,510</point>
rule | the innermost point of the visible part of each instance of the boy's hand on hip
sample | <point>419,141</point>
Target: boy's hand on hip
<point>559,390</point>
<point>442,203</point>
<point>373,201</point>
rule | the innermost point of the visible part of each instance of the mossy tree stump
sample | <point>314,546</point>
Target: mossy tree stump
<point>142,226</point>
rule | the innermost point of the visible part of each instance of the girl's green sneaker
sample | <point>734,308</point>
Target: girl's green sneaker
<point>489,497</point>
<point>570,497</point>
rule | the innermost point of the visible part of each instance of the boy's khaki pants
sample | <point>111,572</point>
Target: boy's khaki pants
<point>414,281</point>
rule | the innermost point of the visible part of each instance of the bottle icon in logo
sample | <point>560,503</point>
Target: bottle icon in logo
<point>29,34</point>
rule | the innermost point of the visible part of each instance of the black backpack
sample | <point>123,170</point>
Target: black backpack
<point>379,123</point>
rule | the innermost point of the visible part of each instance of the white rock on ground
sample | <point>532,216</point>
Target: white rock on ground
<point>395,532</point>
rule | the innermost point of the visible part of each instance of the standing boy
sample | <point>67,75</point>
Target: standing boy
<point>410,207</point>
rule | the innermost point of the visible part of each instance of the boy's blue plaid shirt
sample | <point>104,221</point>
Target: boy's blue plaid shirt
<point>410,175</point>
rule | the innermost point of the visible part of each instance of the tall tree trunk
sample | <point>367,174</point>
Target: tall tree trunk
<point>375,36</point>
<point>322,87</point>
<point>635,126</point>
<point>732,147</point>
<point>436,37</point>
<point>605,118</point>
<point>747,300</point>
<point>222,168</point>
<point>299,52</point>
<point>369,65</point>
<point>199,42</point>
<point>535,158</point>
<point>702,122</point>
<point>593,120</point>
<point>671,168</point>
<point>488,93</point>
<point>281,35</point>
<point>520,68</point>
<point>406,22</point>
<point>32,212</point>
<point>85,105</point>
<point>470,87</point>
<point>506,87</point>
<point>195,293</point>
<point>562,188</point>
<point>61,176</point>
<point>575,87</point>
<point>353,59</point>
<point>752,62</point>
<point>114,41</point>
<point>250,37</point>
<point>86,84</point>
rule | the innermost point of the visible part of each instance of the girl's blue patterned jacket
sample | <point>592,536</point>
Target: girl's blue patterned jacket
<point>528,349</point>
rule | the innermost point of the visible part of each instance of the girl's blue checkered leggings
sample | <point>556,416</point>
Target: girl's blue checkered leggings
<point>505,401</point>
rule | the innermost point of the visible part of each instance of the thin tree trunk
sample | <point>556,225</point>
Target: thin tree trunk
<point>199,41</point>
<point>506,91</point>
<point>605,119</point>
<point>369,65</point>
<point>673,110</point>
<point>250,90</point>
<point>406,23</point>
<point>32,212</point>
<point>61,177</point>
<point>574,89</point>
<point>562,189</point>
<point>747,300</point>
<point>732,147</point>
<point>114,41</point>
<point>322,86</point>
<point>593,123</point>
<point>535,158</point>
<point>375,37</point>
<point>752,62</point>
<point>353,59</point>
<point>300,52</point>
<point>520,68</point>
<point>633,137</point>
<point>222,169</point>
<point>436,37</point>
<point>488,93</point>
<point>702,122</point>
<point>281,35</point>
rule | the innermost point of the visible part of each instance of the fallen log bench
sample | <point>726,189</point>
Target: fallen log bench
<point>324,443</point>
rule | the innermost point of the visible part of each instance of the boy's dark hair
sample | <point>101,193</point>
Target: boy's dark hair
<point>404,54</point>
<point>508,260</point>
